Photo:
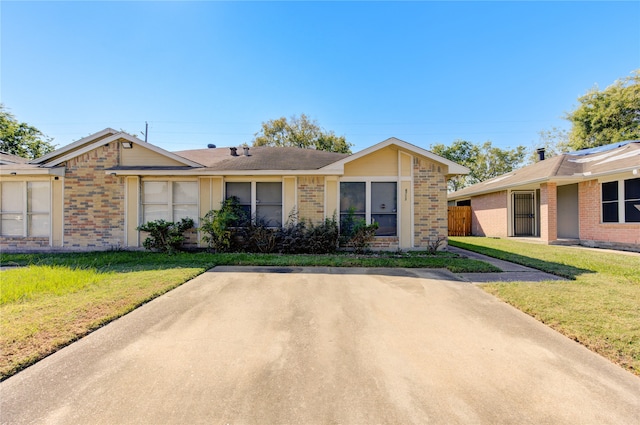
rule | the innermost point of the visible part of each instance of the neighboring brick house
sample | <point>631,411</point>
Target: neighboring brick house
<point>591,197</point>
<point>92,194</point>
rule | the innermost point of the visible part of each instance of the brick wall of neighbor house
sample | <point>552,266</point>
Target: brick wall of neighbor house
<point>93,201</point>
<point>310,199</point>
<point>489,215</point>
<point>429,203</point>
<point>604,235</point>
<point>548,212</point>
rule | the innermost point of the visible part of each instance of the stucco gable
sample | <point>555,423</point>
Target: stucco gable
<point>151,154</point>
<point>451,167</point>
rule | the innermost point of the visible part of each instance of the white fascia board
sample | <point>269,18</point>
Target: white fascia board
<point>118,136</point>
<point>203,173</point>
<point>453,168</point>
<point>73,145</point>
<point>58,171</point>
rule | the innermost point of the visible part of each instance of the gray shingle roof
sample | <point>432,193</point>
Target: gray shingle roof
<point>262,158</point>
<point>574,166</point>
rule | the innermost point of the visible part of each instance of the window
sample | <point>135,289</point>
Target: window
<point>25,209</point>
<point>610,202</point>
<point>632,200</point>
<point>612,193</point>
<point>379,207</point>
<point>169,200</point>
<point>262,200</point>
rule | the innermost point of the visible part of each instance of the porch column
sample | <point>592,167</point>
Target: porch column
<point>548,212</point>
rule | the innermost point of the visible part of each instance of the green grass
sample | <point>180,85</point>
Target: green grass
<point>599,307</point>
<point>54,299</point>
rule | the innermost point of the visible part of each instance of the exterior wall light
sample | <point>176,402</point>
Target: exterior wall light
<point>127,145</point>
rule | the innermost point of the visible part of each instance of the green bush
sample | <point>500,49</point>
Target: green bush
<point>218,226</point>
<point>165,236</point>
<point>355,233</point>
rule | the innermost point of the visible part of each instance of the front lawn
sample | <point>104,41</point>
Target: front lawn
<point>54,299</point>
<point>599,307</point>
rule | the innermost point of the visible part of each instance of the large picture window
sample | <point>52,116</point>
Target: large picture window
<point>375,202</point>
<point>627,191</point>
<point>169,200</point>
<point>259,200</point>
<point>25,209</point>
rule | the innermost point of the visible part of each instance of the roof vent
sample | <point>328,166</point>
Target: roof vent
<point>211,146</point>
<point>246,151</point>
<point>541,154</point>
<point>234,151</point>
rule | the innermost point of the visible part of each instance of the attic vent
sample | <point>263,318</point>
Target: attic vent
<point>541,154</point>
<point>246,151</point>
<point>234,151</point>
<point>211,146</point>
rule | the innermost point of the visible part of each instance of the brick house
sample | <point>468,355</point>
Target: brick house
<point>93,193</point>
<point>591,197</point>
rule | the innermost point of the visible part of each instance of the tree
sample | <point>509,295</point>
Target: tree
<point>484,161</point>
<point>22,139</point>
<point>602,117</point>
<point>301,133</point>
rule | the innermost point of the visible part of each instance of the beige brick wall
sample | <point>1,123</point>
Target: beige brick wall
<point>310,198</point>
<point>595,233</point>
<point>489,215</point>
<point>93,201</point>
<point>429,202</point>
<point>22,244</point>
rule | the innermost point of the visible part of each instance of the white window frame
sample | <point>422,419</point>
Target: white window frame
<point>26,212</point>
<point>621,202</point>
<point>367,184</point>
<point>170,195</point>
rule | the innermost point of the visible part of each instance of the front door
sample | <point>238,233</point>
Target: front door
<point>524,208</point>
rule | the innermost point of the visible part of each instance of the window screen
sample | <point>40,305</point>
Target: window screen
<point>12,209</point>
<point>269,203</point>
<point>353,197</point>
<point>384,208</point>
<point>242,192</point>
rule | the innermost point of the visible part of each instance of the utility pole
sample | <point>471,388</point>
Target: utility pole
<point>146,131</point>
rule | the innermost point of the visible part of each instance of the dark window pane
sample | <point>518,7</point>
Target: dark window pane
<point>241,190</point>
<point>610,212</point>
<point>610,191</point>
<point>352,195</point>
<point>269,215</point>
<point>632,189</point>
<point>269,193</point>
<point>383,198</point>
<point>632,212</point>
<point>387,224</point>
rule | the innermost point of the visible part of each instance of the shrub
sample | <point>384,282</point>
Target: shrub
<point>355,233</point>
<point>165,236</point>
<point>217,225</point>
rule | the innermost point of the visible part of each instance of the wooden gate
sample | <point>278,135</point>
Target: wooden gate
<point>460,221</point>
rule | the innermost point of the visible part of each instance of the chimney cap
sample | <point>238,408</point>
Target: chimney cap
<point>234,151</point>
<point>540,153</point>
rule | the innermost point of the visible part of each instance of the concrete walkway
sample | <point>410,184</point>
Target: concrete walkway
<point>323,346</point>
<point>510,272</point>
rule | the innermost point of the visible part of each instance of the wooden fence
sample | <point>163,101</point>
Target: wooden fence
<point>460,221</point>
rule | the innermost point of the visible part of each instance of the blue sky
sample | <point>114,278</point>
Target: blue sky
<point>212,72</point>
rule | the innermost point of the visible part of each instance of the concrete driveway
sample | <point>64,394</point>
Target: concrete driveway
<point>323,346</point>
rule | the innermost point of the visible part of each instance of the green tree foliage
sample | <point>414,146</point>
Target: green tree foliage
<point>22,139</point>
<point>608,116</point>
<point>484,161</point>
<point>165,236</point>
<point>301,133</point>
